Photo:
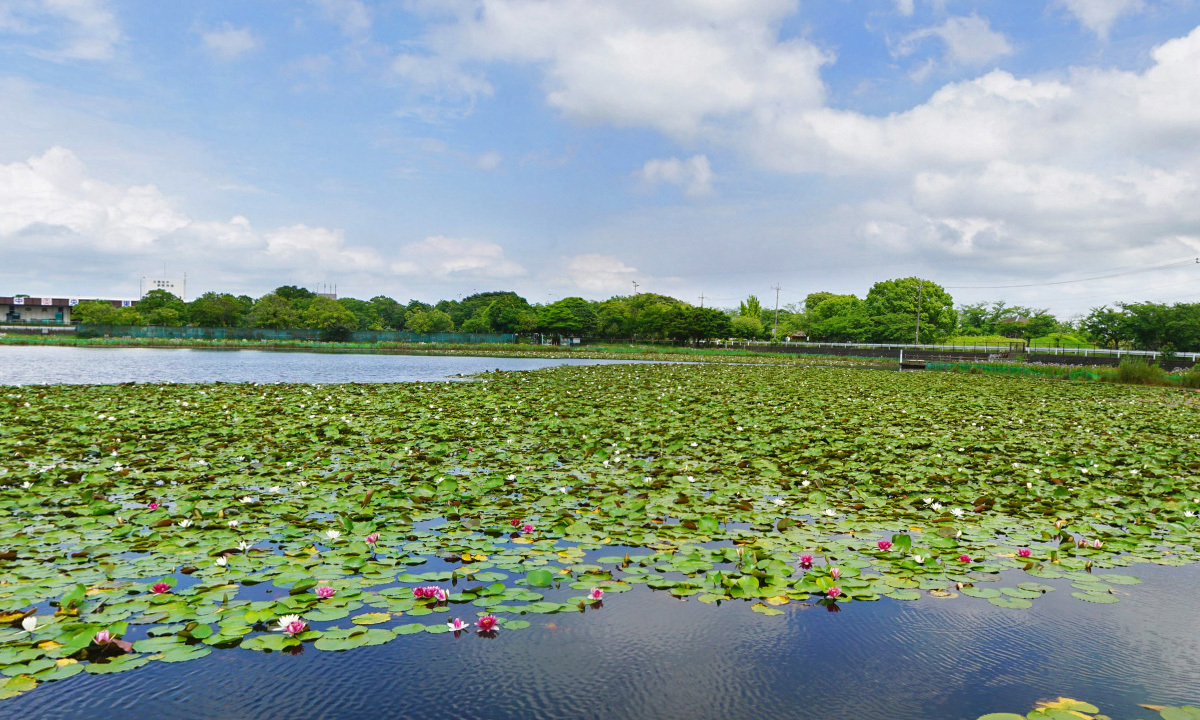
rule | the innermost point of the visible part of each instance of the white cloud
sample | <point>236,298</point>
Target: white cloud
<point>671,65</point>
<point>969,40</point>
<point>693,174</point>
<point>88,29</point>
<point>454,258</point>
<point>904,7</point>
<point>489,160</point>
<point>230,43</point>
<point>55,209</point>
<point>351,16</point>
<point>595,273</point>
<point>1099,15</point>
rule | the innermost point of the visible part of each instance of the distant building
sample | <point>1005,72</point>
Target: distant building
<point>46,310</point>
<point>175,286</point>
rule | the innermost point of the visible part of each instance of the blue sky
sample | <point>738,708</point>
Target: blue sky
<point>426,149</point>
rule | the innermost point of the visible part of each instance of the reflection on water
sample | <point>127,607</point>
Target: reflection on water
<point>38,365</point>
<point>645,654</point>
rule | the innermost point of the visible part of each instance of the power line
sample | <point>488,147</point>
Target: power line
<point>1154,268</point>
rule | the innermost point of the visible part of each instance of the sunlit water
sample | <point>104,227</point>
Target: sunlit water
<point>645,654</point>
<point>41,365</point>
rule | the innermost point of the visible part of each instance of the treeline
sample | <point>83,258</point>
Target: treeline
<point>889,313</point>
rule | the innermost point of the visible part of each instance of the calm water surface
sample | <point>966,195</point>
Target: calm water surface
<point>38,365</point>
<point>645,654</point>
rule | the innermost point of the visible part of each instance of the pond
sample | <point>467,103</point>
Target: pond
<point>776,542</point>
<point>645,654</point>
<point>44,365</point>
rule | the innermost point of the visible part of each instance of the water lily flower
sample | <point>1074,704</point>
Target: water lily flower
<point>26,485</point>
<point>291,625</point>
<point>514,522</point>
<point>805,483</point>
<point>456,625</point>
<point>1024,552</point>
<point>964,558</point>
<point>440,594</point>
<point>957,512</point>
<point>1097,544</point>
<point>325,592</point>
<point>372,538</point>
<point>153,506</point>
<point>927,500</point>
<point>160,588</point>
<point>29,624</point>
<point>527,528</point>
<point>302,483</point>
<point>276,489</point>
<point>920,560</point>
<point>834,591</point>
<point>221,561</point>
<point>243,545</point>
<point>184,523</point>
<point>835,573</point>
<point>332,534</point>
<point>806,561</point>
<point>103,637</point>
<point>779,501</point>
<point>1189,514</point>
<point>884,545</point>
<point>564,489</point>
<point>691,479</point>
<point>830,512</point>
<point>595,594</point>
<point>247,499</point>
<point>487,623</point>
<point>936,506</point>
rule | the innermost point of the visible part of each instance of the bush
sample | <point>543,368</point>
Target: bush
<point>1133,371</point>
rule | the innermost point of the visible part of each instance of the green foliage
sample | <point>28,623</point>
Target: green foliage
<point>892,311</point>
<point>428,321</point>
<point>751,307</point>
<point>103,312</point>
<point>746,326</point>
<point>569,316</point>
<point>329,316</point>
<point>215,310</point>
<point>274,311</point>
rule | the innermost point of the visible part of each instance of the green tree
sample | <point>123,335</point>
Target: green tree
<point>892,306</point>
<point>746,326</point>
<point>751,307</point>
<point>330,317</point>
<point>159,299</point>
<point>165,316</point>
<point>274,311</point>
<point>569,316</point>
<point>101,312</point>
<point>428,321</point>
<point>365,313</point>
<point>215,310</point>
<point>1105,326</point>
<point>835,318</point>
<point>390,312</point>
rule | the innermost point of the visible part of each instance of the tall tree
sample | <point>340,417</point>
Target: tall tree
<point>892,309</point>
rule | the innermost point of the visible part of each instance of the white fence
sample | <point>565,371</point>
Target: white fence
<point>1085,352</point>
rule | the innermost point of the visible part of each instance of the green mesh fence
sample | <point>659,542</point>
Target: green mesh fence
<point>1058,373</point>
<point>268,334</point>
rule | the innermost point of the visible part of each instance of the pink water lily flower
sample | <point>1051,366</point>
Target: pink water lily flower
<point>1024,552</point>
<point>806,561</point>
<point>834,591</point>
<point>372,538</point>
<point>456,625</point>
<point>440,594</point>
<point>595,594</point>
<point>885,545</point>
<point>103,637</point>
<point>153,506</point>
<point>160,588</point>
<point>291,625</point>
<point>835,573</point>
<point>487,623</point>
<point>1097,544</point>
<point>325,592</point>
<point>527,528</point>
<point>964,558</point>
<point>514,522</point>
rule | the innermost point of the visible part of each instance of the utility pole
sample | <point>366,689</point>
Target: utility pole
<point>775,332</point>
<point>635,287</point>
<point>920,292</point>
<point>701,299</point>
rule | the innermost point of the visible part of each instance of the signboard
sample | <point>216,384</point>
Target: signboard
<point>47,301</point>
<point>18,301</point>
<point>126,303</point>
<point>73,301</point>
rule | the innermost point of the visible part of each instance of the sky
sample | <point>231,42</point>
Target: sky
<point>1041,153</point>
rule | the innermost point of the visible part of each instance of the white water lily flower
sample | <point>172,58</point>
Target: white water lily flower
<point>26,485</point>
<point>29,624</point>
<point>1189,513</point>
<point>302,483</point>
<point>927,500</point>
<point>691,479</point>
<point>779,502</point>
<point>920,560</point>
<point>830,512</point>
<point>805,483</point>
<point>247,499</point>
<point>936,506</point>
<point>244,546</point>
<point>233,523</point>
<point>564,489</point>
<point>332,534</point>
<point>221,561</point>
<point>514,477</point>
<point>184,523</point>
<point>276,489</point>
<point>957,512</point>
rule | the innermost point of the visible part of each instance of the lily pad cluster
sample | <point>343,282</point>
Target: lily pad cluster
<point>1068,709</point>
<point>148,523</point>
